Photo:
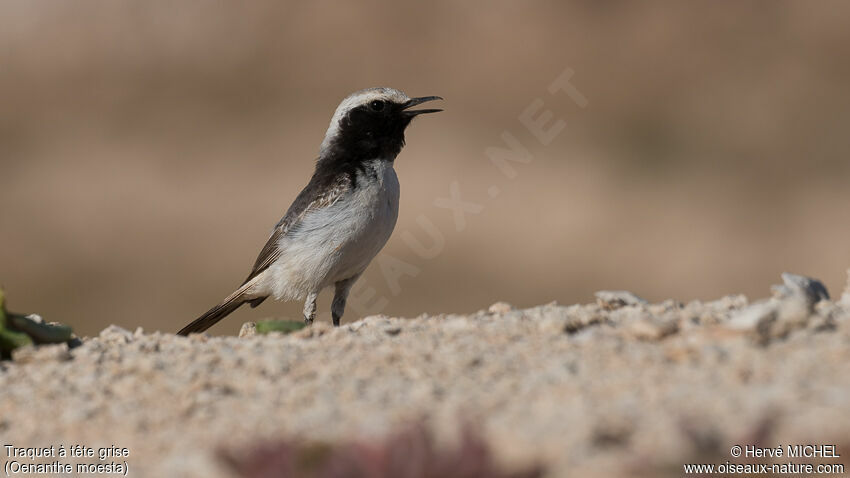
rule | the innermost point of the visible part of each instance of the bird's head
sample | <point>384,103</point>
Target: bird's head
<point>370,123</point>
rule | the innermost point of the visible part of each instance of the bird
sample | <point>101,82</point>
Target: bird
<point>343,217</point>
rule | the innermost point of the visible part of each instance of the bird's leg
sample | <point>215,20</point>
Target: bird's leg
<point>310,308</point>
<point>342,287</point>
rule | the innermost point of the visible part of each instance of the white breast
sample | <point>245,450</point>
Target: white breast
<point>339,241</point>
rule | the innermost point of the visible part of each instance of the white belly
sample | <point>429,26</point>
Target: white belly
<point>339,241</point>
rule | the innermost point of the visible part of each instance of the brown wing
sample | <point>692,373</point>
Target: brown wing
<point>315,196</point>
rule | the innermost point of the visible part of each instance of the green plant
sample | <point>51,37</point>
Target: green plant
<point>18,330</point>
<point>283,326</point>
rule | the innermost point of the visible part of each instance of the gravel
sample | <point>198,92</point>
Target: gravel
<point>602,389</point>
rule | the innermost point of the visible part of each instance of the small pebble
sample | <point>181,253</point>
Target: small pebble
<point>614,299</point>
<point>500,308</point>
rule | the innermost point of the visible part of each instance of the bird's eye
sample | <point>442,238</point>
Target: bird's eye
<point>377,105</point>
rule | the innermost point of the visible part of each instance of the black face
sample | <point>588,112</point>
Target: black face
<point>375,130</point>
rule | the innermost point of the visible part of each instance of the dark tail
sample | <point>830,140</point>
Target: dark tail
<point>215,314</point>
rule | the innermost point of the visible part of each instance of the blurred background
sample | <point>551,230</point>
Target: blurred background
<point>148,147</point>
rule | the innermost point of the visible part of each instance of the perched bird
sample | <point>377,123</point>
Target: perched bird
<point>341,219</point>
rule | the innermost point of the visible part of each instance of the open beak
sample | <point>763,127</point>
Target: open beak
<point>418,101</point>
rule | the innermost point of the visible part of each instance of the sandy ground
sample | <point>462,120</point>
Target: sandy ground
<point>606,389</point>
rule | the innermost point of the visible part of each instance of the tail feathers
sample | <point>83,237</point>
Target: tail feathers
<point>215,314</point>
<point>255,302</point>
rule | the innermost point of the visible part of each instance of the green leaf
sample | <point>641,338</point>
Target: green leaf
<point>284,326</point>
<point>41,332</point>
<point>10,340</point>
